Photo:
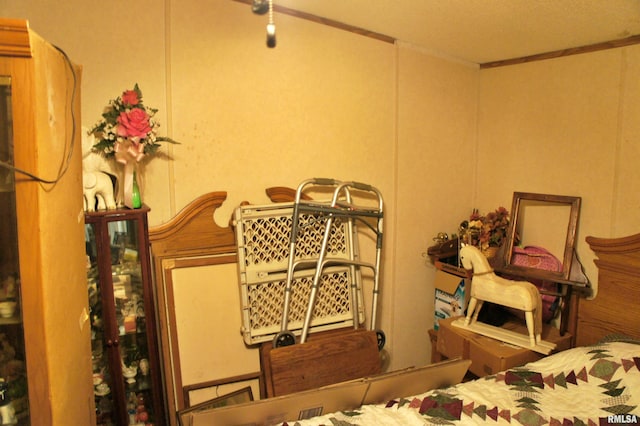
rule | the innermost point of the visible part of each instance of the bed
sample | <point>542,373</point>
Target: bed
<point>596,382</point>
<point>579,386</point>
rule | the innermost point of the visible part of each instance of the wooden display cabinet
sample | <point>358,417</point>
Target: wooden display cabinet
<point>45,356</point>
<point>126,366</point>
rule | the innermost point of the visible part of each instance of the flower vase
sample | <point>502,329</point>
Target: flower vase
<point>131,188</point>
<point>136,196</point>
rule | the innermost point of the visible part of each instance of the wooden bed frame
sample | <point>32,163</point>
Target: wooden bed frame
<point>616,307</point>
<point>193,234</point>
<point>192,238</point>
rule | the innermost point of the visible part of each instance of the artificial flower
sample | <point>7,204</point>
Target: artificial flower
<point>488,230</point>
<point>128,128</point>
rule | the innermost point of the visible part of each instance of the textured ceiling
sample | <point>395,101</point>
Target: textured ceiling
<point>483,31</point>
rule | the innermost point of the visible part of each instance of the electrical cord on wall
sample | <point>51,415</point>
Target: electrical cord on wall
<point>64,166</point>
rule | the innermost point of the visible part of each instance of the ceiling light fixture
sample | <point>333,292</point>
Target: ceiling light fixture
<point>260,7</point>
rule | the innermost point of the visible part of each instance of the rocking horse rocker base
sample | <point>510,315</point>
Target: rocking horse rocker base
<point>521,295</point>
<point>504,335</point>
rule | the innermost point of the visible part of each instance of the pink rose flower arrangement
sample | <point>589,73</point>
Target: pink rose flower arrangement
<point>127,129</point>
<point>133,124</point>
<point>131,97</point>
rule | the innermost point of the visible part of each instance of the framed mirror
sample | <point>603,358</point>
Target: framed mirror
<point>547,221</point>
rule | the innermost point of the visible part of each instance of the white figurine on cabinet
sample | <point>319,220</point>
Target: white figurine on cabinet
<point>98,191</point>
<point>98,187</point>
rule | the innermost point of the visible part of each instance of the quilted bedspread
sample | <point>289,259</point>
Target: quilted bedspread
<point>581,386</point>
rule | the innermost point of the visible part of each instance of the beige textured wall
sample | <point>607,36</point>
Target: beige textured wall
<point>565,126</point>
<point>626,179</point>
<point>320,104</point>
<point>437,101</point>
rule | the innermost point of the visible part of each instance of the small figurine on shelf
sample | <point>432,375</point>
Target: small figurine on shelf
<point>143,413</point>
<point>8,297</point>
<point>137,411</point>
<point>9,288</point>
<point>7,412</point>
<point>144,366</point>
<point>130,373</point>
<point>445,249</point>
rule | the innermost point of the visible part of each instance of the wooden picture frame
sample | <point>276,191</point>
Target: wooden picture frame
<point>249,379</point>
<point>566,219</point>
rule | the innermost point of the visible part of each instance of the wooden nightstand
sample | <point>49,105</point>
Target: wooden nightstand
<point>487,355</point>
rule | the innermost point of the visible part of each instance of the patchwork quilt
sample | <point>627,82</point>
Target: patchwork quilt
<point>597,385</point>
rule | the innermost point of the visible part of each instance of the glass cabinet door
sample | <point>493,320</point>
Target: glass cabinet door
<point>14,398</point>
<point>102,374</point>
<point>120,300</point>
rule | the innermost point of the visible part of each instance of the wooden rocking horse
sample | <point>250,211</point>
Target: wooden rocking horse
<point>521,295</point>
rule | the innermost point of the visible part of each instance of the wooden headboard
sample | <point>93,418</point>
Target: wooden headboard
<point>192,239</point>
<point>615,309</point>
